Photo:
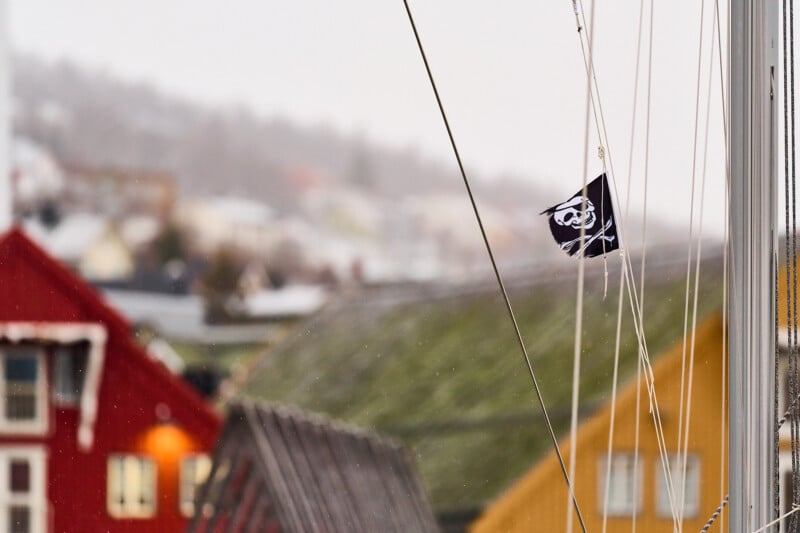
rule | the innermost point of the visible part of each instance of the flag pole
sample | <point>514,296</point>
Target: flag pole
<point>753,67</point>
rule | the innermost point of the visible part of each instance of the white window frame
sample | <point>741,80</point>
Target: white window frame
<point>71,399</point>
<point>187,497</point>
<point>784,468</point>
<point>39,424</point>
<point>115,486</point>
<point>691,506</point>
<point>36,498</point>
<point>63,333</point>
<point>621,483</point>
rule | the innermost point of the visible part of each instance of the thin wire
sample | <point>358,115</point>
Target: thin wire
<point>494,267</point>
<point>630,286</point>
<point>697,277</point>
<point>791,513</point>
<point>726,246</point>
<point>793,357</point>
<point>644,245</point>
<point>790,384</point>
<point>689,254</point>
<point>615,378</point>
<point>576,356</point>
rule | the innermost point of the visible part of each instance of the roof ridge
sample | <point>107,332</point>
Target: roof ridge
<point>298,416</point>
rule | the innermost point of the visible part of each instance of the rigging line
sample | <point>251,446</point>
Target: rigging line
<point>631,288</point>
<point>726,246</point>
<point>791,267</point>
<point>494,267</point>
<point>793,344</point>
<point>697,276</point>
<point>644,235</point>
<point>602,132</point>
<point>717,512</point>
<point>643,352</point>
<point>636,435</point>
<point>765,527</point>
<point>691,231</point>
<point>576,356</point>
<point>644,248</point>
<point>788,267</point>
<point>615,377</point>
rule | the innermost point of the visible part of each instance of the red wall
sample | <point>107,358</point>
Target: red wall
<point>35,289</point>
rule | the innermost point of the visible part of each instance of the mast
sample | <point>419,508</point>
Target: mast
<point>752,149</point>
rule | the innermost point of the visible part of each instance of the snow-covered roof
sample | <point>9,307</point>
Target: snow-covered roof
<point>238,210</point>
<point>70,239</point>
<point>181,317</point>
<point>289,301</point>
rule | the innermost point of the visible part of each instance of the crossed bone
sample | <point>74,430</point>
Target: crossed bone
<point>600,234</point>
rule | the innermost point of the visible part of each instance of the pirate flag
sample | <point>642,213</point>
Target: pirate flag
<point>597,218</point>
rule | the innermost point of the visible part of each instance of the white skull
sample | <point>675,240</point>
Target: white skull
<point>569,213</point>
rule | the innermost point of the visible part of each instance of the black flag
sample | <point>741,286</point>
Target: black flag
<point>567,218</point>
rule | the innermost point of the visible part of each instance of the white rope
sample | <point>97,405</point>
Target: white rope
<point>644,251</point>
<point>795,508</point>
<point>606,492</point>
<point>689,254</point>
<point>630,286</point>
<point>726,240</point>
<point>576,359</point>
<point>697,277</point>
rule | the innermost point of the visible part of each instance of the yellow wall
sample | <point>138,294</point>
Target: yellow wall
<point>538,501</point>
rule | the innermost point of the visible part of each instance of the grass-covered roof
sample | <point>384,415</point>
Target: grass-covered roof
<point>440,369</point>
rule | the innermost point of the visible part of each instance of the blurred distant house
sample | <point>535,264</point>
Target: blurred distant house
<point>95,433</point>
<point>89,243</point>
<point>35,174</point>
<point>182,318</point>
<point>284,303</point>
<point>241,223</point>
<point>276,469</point>
<point>119,192</point>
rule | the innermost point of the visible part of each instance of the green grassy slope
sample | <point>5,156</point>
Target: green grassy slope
<point>446,376</point>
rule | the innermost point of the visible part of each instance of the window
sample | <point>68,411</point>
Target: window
<point>621,498</point>
<point>22,389</point>
<point>691,501</point>
<point>22,492</point>
<point>131,486</point>
<point>69,365</point>
<point>194,472</point>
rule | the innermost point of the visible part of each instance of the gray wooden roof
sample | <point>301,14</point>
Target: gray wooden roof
<point>280,469</point>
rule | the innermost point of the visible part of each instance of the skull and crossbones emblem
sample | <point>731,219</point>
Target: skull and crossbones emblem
<point>571,214</point>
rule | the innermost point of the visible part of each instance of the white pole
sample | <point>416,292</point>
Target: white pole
<point>5,121</point>
<point>753,161</point>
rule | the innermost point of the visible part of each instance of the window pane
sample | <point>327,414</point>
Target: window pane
<point>19,517</point>
<point>131,486</point>
<point>194,472</point>
<point>624,485</point>
<point>21,368</point>
<point>69,363</point>
<point>691,503</point>
<point>20,404</point>
<point>20,476</point>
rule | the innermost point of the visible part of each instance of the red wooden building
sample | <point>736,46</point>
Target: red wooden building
<point>95,435</point>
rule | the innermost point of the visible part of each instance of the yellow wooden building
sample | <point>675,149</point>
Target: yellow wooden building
<point>538,501</point>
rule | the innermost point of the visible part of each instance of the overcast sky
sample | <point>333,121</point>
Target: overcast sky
<point>510,74</point>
